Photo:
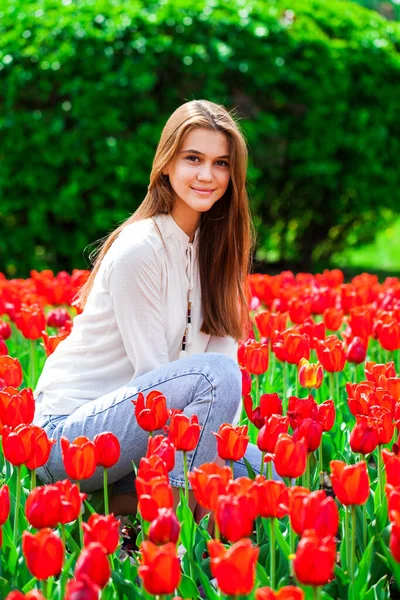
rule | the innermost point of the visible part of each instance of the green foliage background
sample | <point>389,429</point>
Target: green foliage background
<point>86,87</point>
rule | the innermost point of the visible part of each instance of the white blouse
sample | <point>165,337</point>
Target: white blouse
<point>134,319</point>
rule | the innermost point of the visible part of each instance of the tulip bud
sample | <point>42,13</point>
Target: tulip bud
<point>165,527</point>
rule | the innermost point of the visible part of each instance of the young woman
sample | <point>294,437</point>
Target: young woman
<point>164,306</point>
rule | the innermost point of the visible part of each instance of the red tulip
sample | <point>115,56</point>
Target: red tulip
<point>43,507</point>
<point>81,589</point>
<point>270,404</point>
<point>269,433</point>
<point>152,413</point>
<point>5,329</point>
<point>356,351</point>
<point>71,500</point>
<point>310,375</point>
<point>160,569</point>
<point>184,431</point>
<point>18,444</point>
<point>270,324</point>
<point>290,456</point>
<point>4,503</point>
<point>44,553</point>
<point>392,467</point>
<point>16,407</point>
<point>79,457</point>
<point>300,409</point>
<point>107,449</point>
<point>350,482</point>
<point>326,414</point>
<point>162,447</point>
<point>235,515</point>
<point>364,437</point>
<point>333,318</point>
<point>331,354</point>
<point>289,592</point>
<point>299,309</point>
<point>103,529</point>
<point>51,342</point>
<point>93,563</point>
<point>58,317</point>
<point>291,347</point>
<point>313,510</point>
<point>208,482</point>
<point>389,336</point>
<point>373,371</point>
<point>384,423</point>
<point>246,381</point>
<point>394,543</point>
<point>273,498</point>
<point>165,527</point>
<point>10,371</point>
<point>31,595</point>
<point>315,559</point>
<point>311,431</point>
<point>41,448</point>
<point>31,321</point>
<point>235,567</point>
<point>232,441</point>
<point>256,357</point>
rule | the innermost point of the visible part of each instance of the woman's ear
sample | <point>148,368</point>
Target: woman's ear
<point>165,171</point>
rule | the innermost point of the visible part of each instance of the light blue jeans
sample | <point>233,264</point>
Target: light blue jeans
<point>208,385</point>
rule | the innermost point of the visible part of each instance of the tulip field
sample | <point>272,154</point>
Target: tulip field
<point>321,399</point>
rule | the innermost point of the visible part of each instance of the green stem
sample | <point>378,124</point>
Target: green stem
<point>397,362</point>
<point>231,465</point>
<point>292,540</point>
<point>353,542</point>
<point>105,486</point>
<point>257,390</point>
<point>32,364</point>
<point>258,530</point>
<point>364,525</point>
<point>262,463</point>
<point>381,476</point>
<point>17,503</point>
<point>316,592</point>
<point>332,386</point>
<point>63,535</point>
<point>269,470</point>
<point>45,588</point>
<point>296,392</point>
<point>272,552</point>
<point>33,479</point>
<point>285,386</point>
<point>346,537</point>
<point>272,368</point>
<point>186,476</point>
<point>78,483</point>
<point>216,531</point>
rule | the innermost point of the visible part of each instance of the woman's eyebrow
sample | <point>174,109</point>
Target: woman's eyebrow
<point>201,153</point>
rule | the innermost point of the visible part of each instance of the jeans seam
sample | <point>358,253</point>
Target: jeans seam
<point>147,388</point>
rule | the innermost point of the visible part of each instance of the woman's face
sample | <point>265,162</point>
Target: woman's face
<point>200,172</point>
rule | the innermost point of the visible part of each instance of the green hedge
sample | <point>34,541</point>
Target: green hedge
<point>85,88</point>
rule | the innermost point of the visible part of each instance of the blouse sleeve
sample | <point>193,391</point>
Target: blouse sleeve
<point>224,345</point>
<point>134,280</point>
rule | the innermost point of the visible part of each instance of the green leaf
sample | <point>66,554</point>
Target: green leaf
<point>211,592</point>
<point>358,588</point>
<point>188,588</point>
<point>188,525</point>
<point>379,590</point>
<point>250,471</point>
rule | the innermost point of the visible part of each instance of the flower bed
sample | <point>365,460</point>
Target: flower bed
<point>321,398</point>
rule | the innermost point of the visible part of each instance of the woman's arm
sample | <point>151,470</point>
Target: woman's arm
<point>134,281</point>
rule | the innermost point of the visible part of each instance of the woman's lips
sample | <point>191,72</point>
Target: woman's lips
<point>203,192</point>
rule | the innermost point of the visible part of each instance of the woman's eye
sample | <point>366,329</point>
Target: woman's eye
<point>192,158</point>
<point>223,163</point>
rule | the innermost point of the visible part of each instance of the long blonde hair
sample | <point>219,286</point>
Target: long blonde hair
<point>226,235</point>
